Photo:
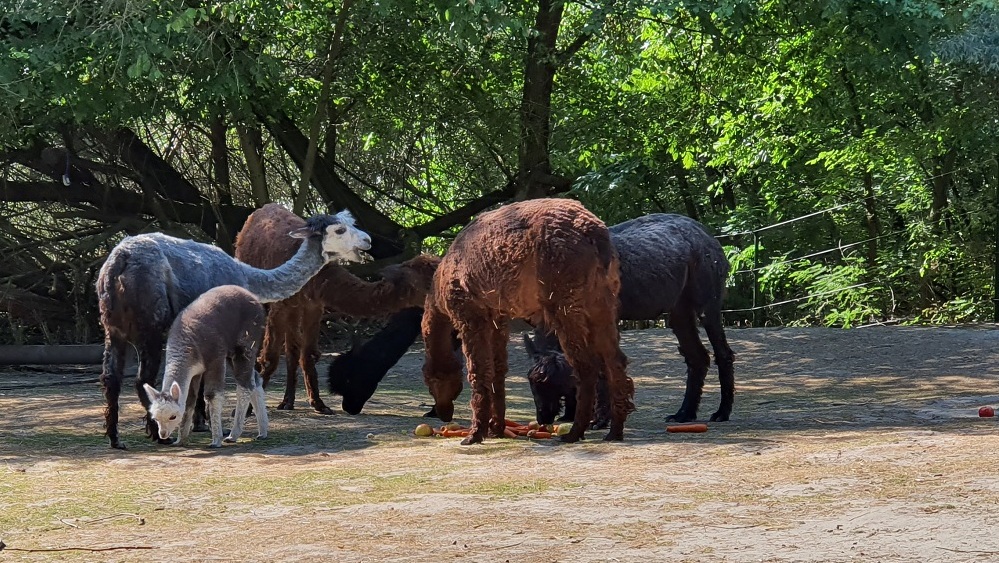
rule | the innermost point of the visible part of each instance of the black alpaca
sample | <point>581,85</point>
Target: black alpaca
<point>669,264</point>
<point>356,373</point>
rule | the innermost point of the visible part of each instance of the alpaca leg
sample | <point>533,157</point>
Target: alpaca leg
<point>257,398</point>
<point>200,412</point>
<point>187,423</point>
<point>497,418</point>
<point>477,343</point>
<point>724,359</point>
<point>602,410</point>
<point>149,353</point>
<point>309,356</point>
<point>215,400</point>
<point>111,376</point>
<point>291,361</point>
<point>618,389</point>
<point>239,416</point>
<point>270,351</point>
<point>587,371</point>
<point>247,383</point>
<point>684,324</point>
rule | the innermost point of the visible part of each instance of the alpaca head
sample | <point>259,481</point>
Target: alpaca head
<point>444,391</point>
<point>342,241</point>
<point>348,378</point>
<point>166,408</point>
<point>551,378</point>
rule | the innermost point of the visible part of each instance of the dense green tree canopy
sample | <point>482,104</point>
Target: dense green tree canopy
<point>874,120</point>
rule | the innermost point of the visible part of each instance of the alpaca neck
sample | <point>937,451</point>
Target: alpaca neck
<point>288,278</point>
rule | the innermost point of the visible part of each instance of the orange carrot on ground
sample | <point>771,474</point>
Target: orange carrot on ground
<point>509,433</point>
<point>697,427</point>
<point>540,435</point>
<point>512,423</point>
<point>454,433</point>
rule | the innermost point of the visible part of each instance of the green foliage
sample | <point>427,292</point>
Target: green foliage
<point>876,117</point>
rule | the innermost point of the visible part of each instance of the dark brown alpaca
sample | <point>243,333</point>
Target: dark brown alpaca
<point>547,261</point>
<point>293,324</point>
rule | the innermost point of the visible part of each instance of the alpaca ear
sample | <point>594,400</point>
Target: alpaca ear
<point>302,233</point>
<point>346,217</point>
<point>532,351</point>
<point>175,391</point>
<point>151,391</point>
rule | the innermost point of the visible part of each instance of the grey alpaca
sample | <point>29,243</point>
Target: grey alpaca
<point>225,325</point>
<point>669,264</point>
<point>148,279</point>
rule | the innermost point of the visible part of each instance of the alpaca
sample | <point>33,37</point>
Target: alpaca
<point>545,261</point>
<point>669,264</point>
<point>224,325</point>
<point>356,373</point>
<point>148,279</point>
<point>293,324</point>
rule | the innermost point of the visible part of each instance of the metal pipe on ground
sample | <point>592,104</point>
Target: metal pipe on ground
<point>56,354</point>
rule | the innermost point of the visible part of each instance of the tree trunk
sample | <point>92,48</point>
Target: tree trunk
<point>315,129</point>
<point>943,171</point>
<point>688,201</point>
<point>534,164</point>
<point>252,144</point>
<point>218,129</point>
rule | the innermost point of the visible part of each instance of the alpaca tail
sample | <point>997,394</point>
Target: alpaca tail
<point>108,280</point>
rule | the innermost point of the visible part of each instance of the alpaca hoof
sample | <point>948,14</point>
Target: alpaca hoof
<point>681,416</point>
<point>261,436</point>
<point>471,439</point>
<point>432,413</point>
<point>215,446</point>
<point>614,436</point>
<point>599,424</point>
<point>164,441</point>
<point>283,406</point>
<point>118,445</point>
<point>229,440</point>
<point>323,409</point>
<point>570,439</point>
<point>719,417</point>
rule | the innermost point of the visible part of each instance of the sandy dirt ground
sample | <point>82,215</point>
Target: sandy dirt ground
<point>844,445</point>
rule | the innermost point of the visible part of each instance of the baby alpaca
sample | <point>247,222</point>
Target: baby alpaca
<point>224,324</point>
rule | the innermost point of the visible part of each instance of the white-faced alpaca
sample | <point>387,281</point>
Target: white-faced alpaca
<point>148,279</point>
<point>224,325</point>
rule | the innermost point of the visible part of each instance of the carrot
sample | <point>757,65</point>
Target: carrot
<point>454,433</point>
<point>698,427</point>
<point>512,424</point>
<point>540,435</point>
<point>509,433</point>
<point>522,431</point>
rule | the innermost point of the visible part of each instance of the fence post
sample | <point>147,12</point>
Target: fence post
<point>756,277</point>
<point>995,258</point>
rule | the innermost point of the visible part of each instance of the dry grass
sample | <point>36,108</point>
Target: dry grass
<point>844,445</point>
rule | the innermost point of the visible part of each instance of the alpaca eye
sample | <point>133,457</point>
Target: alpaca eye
<point>174,417</point>
<point>341,230</point>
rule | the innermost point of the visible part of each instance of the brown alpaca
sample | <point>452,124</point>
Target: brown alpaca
<point>547,261</point>
<point>293,324</point>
